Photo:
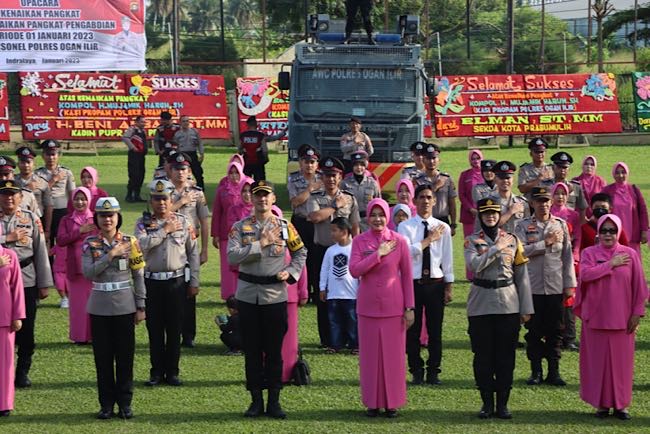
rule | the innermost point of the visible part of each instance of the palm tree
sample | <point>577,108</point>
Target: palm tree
<point>162,9</point>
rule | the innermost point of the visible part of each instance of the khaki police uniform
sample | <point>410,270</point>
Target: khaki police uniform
<point>411,173</point>
<point>506,204</point>
<point>172,266</point>
<point>262,298</point>
<point>36,272</point>
<point>444,195</point>
<point>576,200</point>
<point>364,191</point>
<point>39,189</point>
<point>189,142</point>
<point>60,192</point>
<point>479,191</point>
<point>118,291</point>
<point>528,172</point>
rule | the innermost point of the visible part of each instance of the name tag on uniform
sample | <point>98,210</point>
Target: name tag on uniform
<point>122,264</point>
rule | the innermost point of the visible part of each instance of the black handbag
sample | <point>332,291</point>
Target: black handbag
<point>301,371</point>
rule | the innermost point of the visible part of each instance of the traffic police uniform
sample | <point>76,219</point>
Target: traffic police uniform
<point>499,294</point>
<point>445,194</point>
<point>172,266</point>
<point>552,276</point>
<point>117,292</point>
<point>528,171</point>
<point>189,142</point>
<point>35,184</point>
<point>196,211</point>
<point>411,172</point>
<point>364,191</point>
<point>35,267</point>
<point>318,200</point>
<point>297,184</point>
<point>262,299</point>
<point>479,191</point>
<point>60,189</point>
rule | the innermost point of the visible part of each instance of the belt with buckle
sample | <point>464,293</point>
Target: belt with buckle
<point>261,280</point>
<point>492,284</point>
<point>428,280</point>
<point>164,275</point>
<point>111,286</point>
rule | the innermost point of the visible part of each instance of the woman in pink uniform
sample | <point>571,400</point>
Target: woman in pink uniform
<point>12,311</point>
<point>381,261</point>
<point>628,204</point>
<point>89,179</point>
<point>297,297</point>
<point>560,194</point>
<point>610,300</point>
<point>466,182</point>
<point>589,181</point>
<point>73,230</point>
<point>404,189</point>
<point>228,194</point>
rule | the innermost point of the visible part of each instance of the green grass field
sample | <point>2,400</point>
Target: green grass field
<point>64,399</point>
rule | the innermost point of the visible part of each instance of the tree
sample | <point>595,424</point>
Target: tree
<point>601,9</point>
<point>621,19</point>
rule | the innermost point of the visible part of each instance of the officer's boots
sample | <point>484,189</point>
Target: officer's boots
<point>488,405</point>
<point>136,196</point>
<point>129,196</point>
<point>257,404</point>
<point>553,378</point>
<point>273,408</point>
<point>21,379</point>
<point>535,378</point>
<point>502,404</point>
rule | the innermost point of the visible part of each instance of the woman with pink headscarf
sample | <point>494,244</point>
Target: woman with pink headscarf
<point>610,300</point>
<point>227,195</point>
<point>12,312</point>
<point>380,259</point>
<point>73,230</point>
<point>629,205</point>
<point>466,182</point>
<point>559,196</point>
<point>589,181</point>
<point>89,179</point>
<point>297,297</point>
<point>405,192</point>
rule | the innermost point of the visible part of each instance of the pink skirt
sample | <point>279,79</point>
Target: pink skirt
<point>382,361</point>
<point>606,367</point>
<point>7,390</point>
<point>290,343</point>
<point>78,293</point>
<point>228,277</point>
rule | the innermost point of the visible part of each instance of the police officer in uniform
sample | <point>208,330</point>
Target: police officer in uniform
<point>22,232</point>
<point>532,174</point>
<point>489,186</point>
<point>116,304</point>
<point>189,142</point>
<point>189,200</point>
<point>552,278</point>
<point>300,185</point>
<point>171,275</point>
<point>364,188</point>
<point>576,200</point>
<point>513,207</point>
<point>443,187</point>
<point>258,245</point>
<point>28,201</point>
<point>27,179</point>
<point>60,181</point>
<point>417,155</point>
<point>135,139</point>
<point>164,137</point>
<point>499,299</point>
<point>325,205</point>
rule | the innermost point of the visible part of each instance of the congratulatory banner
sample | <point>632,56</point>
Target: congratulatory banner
<point>69,105</point>
<point>475,105</point>
<point>72,35</point>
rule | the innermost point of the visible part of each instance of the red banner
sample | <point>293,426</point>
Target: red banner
<point>479,105</point>
<point>85,106</point>
<point>4,109</point>
<point>261,97</point>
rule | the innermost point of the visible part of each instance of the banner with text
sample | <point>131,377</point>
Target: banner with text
<point>479,105</point>
<point>72,35</point>
<point>262,98</point>
<point>101,106</point>
<point>4,109</point>
<point>642,100</point>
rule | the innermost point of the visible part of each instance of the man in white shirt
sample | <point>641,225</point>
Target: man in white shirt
<point>432,255</point>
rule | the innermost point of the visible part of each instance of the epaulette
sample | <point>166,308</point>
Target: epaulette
<point>63,167</point>
<point>573,181</point>
<point>444,174</point>
<point>26,189</point>
<point>126,237</point>
<point>347,192</point>
<point>196,187</point>
<point>318,192</point>
<point>524,164</point>
<point>293,174</point>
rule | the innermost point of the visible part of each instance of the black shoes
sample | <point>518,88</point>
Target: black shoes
<point>391,413</point>
<point>105,413</point>
<point>154,380</point>
<point>188,343</point>
<point>273,408</point>
<point>502,405</point>
<point>622,415</point>
<point>125,413</point>
<point>372,412</point>
<point>418,377</point>
<point>173,380</point>
<point>432,378</point>
<point>5,413</point>
<point>487,410</point>
<point>22,381</point>
<point>554,379</point>
<point>602,413</point>
<point>256,408</point>
<point>535,378</point>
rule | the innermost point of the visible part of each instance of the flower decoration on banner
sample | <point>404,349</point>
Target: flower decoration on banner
<point>256,95</point>
<point>600,87</point>
<point>29,85</point>
<point>138,87</point>
<point>642,85</point>
<point>448,96</point>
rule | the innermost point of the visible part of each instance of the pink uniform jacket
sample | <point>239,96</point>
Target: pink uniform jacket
<point>466,182</point>
<point>226,195</point>
<point>12,293</point>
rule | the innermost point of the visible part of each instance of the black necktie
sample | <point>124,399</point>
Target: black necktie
<point>426,254</point>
